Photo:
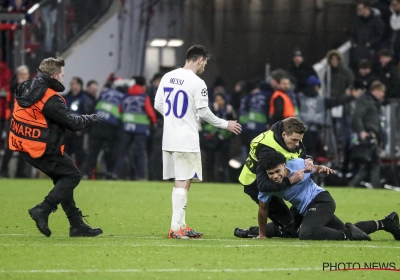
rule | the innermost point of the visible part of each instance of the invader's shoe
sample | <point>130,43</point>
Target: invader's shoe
<point>179,234</point>
<point>356,233</point>
<point>393,226</point>
<point>241,232</point>
<point>189,232</point>
<point>78,227</point>
<point>41,219</point>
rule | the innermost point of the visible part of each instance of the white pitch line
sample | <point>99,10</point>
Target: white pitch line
<point>247,270</point>
<point>190,244</point>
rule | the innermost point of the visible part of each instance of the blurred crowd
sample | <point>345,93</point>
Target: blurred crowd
<point>347,100</point>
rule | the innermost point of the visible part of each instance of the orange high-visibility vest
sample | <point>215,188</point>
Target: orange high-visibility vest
<point>288,107</point>
<point>29,129</point>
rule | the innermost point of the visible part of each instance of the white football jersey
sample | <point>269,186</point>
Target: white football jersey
<point>181,92</point>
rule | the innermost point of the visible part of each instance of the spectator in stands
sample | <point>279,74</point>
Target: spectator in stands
<point>341,77</point>
<point>238,93</point>
<point>215,142</point>
<point>368,135</point>
<point>395,27</point>
<point>137,116</point>
<point>22,74</point>
<point>73,141</point>
<point>105,135</point>
<point>301,70</point>
<point>90,93</point>
<point>281,105</point>
<point>364,75</point>
<point>312,108</point>
<point>388,73</point>
<point>155,160</point>
<point>49,18</point>
<point>254,111</point>
<point>367,33</point>
<point>338,81</point>
<point>382,7</point>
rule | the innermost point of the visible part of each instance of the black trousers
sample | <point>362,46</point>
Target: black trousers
<point>65,176</point>
<point>278,212</point>
<point>320,222</point>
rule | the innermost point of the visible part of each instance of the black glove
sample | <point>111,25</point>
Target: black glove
<point>93,118</point>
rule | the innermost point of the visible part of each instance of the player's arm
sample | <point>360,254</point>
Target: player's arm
<point>262,219</point>
<point>201,104</point>
<point>159,100</point>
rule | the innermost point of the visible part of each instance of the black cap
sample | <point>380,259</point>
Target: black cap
<point>297,52</point>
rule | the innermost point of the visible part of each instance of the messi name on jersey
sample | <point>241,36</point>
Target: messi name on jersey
<point>176,81</point>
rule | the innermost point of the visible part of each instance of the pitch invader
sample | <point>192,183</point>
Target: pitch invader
<point>181,98</point>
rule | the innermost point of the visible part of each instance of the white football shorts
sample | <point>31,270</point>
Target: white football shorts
<point>182,166</point>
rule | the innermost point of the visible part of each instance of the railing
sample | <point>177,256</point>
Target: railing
<point>49,28</point>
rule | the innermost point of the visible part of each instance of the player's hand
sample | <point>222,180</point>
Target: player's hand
<point>260,237</point>
<point>95,118</point>
<point>309,165</point>
<point>297,176</point>
<point>320,169</point>
<point>234,127</point>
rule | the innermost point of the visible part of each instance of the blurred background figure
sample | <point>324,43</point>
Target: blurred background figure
<point>155,151</point>
<point>73,141</point>
<point>21,75</point>
<point>215,142</point>
<point>102,137</point>
<point>137,117</point>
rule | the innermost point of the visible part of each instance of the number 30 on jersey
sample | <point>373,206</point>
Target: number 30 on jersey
<point>177,101</point>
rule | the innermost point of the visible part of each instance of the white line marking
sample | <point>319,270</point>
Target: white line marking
<point>162,270</point>
<point>190,244</point>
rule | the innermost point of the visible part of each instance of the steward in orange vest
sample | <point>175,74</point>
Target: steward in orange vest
<point>38,121</point>
<point>40,118</point>
<point>281,107</point>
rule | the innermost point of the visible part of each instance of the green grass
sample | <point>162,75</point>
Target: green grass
<point>135,217</point>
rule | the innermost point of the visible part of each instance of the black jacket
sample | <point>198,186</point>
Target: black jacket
<point>301,74</point>
<point>390,76</point>
<point>57,114</point>
<point>368,30</point>
<point>264,183</point>
<point>367,115</point>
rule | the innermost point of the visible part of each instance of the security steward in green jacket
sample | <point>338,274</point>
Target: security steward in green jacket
<point>286,137</point>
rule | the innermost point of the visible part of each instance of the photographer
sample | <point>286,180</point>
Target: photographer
<point>368,135</point>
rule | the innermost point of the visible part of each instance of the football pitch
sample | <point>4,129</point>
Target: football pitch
<point>135,218</point>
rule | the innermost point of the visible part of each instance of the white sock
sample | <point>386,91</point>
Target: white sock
<point>179,200</point>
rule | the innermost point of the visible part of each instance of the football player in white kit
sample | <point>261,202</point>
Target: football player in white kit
<point>182,98</point>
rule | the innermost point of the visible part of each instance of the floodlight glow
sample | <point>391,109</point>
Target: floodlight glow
<point>175,43</point>
<point>158,43</point>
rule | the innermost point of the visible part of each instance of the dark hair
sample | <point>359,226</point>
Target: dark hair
<point>364,64</point>
<point>51,65</point>
<point>197,51</point>
<point>278,75</point>
<point>252,84</point>
<point>88,84</point>
<point>293,125</point>
<point>78,80</point>
<point>140,80</point>
<point>377,85</point>
<point>385,52</point>
<point>366,3</point>
<point>271,160</point>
